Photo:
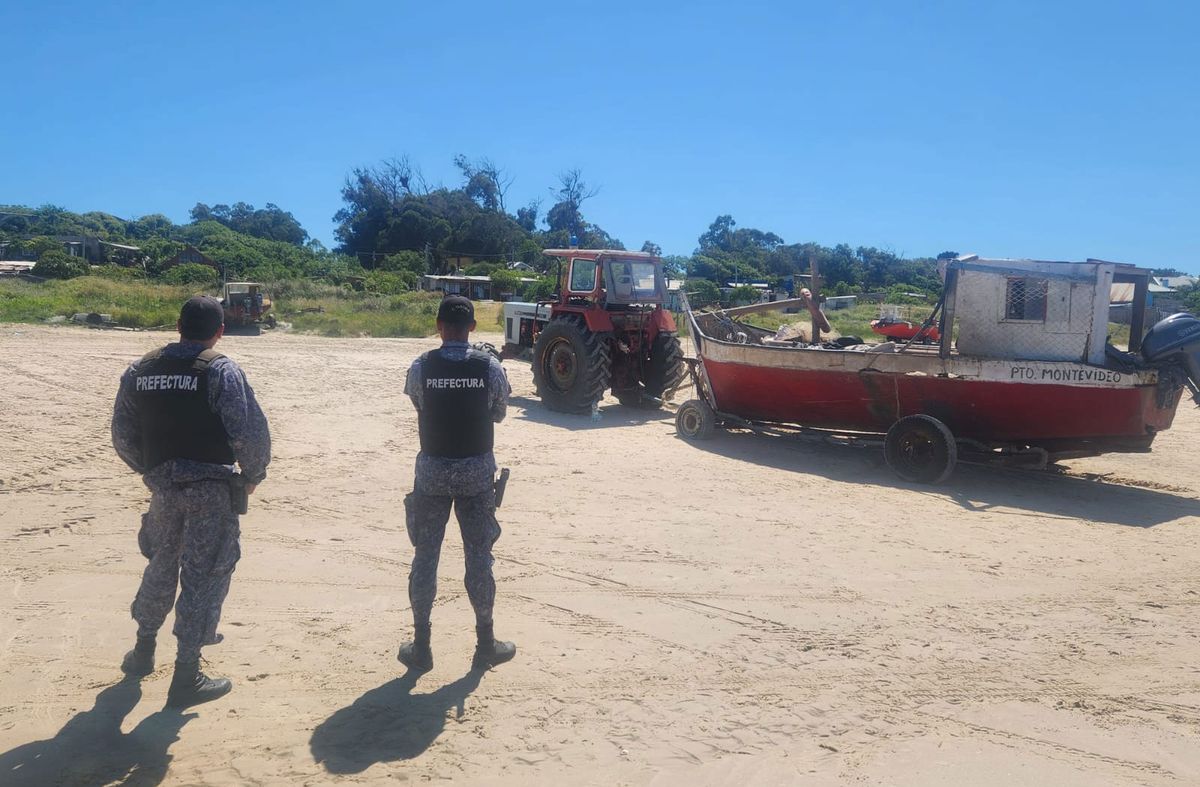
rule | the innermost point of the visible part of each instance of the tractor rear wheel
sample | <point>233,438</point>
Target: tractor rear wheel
<point>665,371</point>
<point>571,365</point>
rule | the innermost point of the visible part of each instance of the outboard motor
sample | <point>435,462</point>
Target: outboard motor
<point>1176,339</point>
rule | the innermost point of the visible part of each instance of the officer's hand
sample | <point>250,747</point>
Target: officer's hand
<point>250,488</point>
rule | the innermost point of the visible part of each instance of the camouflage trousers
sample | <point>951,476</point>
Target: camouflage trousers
<point>426,517</point>
<point>190,536</point>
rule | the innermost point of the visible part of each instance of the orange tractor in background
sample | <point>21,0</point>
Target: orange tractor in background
<point>605,330</point>
<point>247,305</point>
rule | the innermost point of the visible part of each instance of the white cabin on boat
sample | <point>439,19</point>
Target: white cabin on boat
<point>1034,309</point>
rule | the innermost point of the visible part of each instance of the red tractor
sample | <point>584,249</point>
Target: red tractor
<point>606,329</point>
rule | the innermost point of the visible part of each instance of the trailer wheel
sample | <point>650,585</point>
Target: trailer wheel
<point>571,365</point>
<point>921,449</point>
<point>695,420</point>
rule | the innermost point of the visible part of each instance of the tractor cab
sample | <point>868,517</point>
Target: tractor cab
<point>611,278</point>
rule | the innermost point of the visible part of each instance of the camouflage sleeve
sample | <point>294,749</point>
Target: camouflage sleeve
<point>231,397</point>
<point>412,383</point>
<point>498,391</point>
<point>126,428</point>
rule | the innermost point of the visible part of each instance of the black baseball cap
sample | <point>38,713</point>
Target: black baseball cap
<point>200,318</point>
<point>456,310</point>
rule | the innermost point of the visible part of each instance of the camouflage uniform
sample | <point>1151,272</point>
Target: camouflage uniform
<point>190,534</point>
<point>465,483</point>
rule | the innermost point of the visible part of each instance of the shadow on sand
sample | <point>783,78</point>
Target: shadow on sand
<point>611,414</point>
<point>388,723</point>
<point>91,749</point>
<point>974,488</point>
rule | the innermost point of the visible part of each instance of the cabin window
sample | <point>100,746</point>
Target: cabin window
<point>1026,300</point>
<point>583,275</point>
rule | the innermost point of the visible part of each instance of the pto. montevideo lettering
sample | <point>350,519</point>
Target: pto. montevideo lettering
<point>168,382</point>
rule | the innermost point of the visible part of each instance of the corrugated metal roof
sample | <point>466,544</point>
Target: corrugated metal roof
<point>591,254</point>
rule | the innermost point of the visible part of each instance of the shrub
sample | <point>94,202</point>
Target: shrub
<point>900,294</point>
<point>118,273</point>
<point>57,264</point>
<point>743,295</point>
<point>191,273</point>
<point>390,282</point>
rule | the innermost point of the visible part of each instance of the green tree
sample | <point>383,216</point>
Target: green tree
<point>411,261</point>
<point>482,268</point>
<point>702,292</point>
<point>540,290</point>
<point>269,223</point>
<point>506,280</point>
<point>485,183</point>
<point>572,192</point>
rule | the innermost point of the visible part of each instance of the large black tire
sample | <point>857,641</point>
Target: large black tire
<point>571,365</point>
<point>665,371</point>
<point>921,449</point>
<point>695,420</point>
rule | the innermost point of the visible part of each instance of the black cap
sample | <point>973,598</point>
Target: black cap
<point>200,318</point>
<point>456,310</point>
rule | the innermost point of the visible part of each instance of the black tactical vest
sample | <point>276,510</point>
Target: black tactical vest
<point>455,419</point>
<point>172,405</point>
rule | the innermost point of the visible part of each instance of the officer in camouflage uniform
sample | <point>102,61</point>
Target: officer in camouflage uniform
<point>459,394</point>
<point>184,415</point>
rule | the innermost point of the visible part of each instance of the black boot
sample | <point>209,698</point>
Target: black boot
<point>140,661</point>
<point>417,655</point>
<point>190,686</point>
<point>490,651</point>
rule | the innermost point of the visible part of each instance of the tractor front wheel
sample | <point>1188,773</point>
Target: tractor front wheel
<point>665,370</point>
<point>571,365</point>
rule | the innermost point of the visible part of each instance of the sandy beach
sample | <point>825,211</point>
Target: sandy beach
<point>745,611</point>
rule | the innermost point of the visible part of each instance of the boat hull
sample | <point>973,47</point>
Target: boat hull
<point>1063,407</point>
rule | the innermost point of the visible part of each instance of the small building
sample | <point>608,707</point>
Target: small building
<point>94,251</point>
<point>190,255</point>
<point>674,302</point>
<point>1176,282</point>
<point>1120,304</point>
<point>477,288</point>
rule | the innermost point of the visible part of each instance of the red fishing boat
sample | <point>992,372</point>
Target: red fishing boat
<point>1022,374</point>
<point>894,328</point>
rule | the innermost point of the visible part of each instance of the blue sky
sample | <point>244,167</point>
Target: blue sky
<point>1056,130</point>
